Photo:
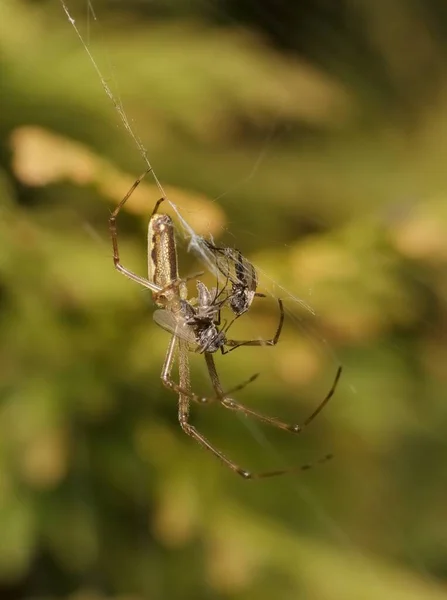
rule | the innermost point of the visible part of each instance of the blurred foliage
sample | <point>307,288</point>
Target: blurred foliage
<point>312,135</point>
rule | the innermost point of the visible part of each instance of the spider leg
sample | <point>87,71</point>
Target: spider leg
<point>157,204</point>
<point>186,394</point>
<point>186,391</point>
<point>233,405</point>
<point>114,235</point>
<point>183,411</point>
<point>233,344</point>
<point>183,416</point>
<point>325,400</point>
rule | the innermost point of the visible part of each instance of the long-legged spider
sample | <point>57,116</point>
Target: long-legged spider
<point>195,328</point>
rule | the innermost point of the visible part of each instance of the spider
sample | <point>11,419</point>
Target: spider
<point>196,328</point>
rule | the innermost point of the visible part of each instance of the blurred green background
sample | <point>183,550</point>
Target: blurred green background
<point>313,136</point>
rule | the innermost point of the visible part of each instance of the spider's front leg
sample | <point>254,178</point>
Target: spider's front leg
<point>114,236</point>
<point>233,344</point>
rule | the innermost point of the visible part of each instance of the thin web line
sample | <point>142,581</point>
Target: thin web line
<point>196,243</point>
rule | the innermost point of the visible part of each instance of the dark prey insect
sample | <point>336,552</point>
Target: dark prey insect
<point>240,272</point>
